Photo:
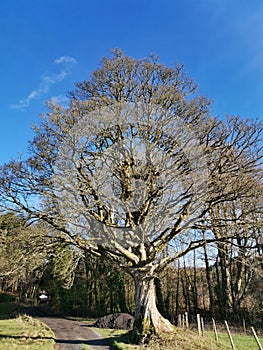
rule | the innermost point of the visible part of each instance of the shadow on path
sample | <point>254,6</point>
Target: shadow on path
<point>70,334</point>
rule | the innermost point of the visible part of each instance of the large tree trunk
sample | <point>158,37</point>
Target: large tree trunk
<point>148,319</point>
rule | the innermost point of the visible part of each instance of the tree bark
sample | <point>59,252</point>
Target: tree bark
<point>148,319</point>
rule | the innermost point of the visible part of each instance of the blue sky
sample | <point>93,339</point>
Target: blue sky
<point>48,45</point>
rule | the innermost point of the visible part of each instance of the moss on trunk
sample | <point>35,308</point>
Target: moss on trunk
<point>148,320</point>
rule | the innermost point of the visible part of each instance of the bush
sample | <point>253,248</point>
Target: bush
<point>5,298</point>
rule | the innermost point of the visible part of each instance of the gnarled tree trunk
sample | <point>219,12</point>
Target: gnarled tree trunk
<point>148,319</point>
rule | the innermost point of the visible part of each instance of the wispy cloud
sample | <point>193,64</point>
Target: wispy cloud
<point>60,99</point>
<point>65,59</point>
<point>65,63</point>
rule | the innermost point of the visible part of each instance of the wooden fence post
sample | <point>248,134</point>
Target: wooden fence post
<point>199,324</point>
<point>230,336</point>
<point>202,325</point>
<point>180,320</point>
<point>256,337</point>
<point>215,330</point>
<point>244,325</point>
<point>186,320</point>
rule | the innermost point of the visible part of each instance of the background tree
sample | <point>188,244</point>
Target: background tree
<point>24,253</point>
<point>131,167</point>
<point>93,289</point>
<point>237,261</point>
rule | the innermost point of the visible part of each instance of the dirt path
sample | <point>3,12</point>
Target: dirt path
<point>71,334</point>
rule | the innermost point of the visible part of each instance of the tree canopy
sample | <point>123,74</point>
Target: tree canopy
<point>135,164</point>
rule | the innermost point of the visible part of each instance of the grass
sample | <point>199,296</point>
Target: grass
<point>241,341</point>
<point>85,347</point>
<point>25,333</point>
<point>117,338</point>
<point>183,340</point>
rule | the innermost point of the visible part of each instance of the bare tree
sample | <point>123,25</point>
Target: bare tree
<point>24,254</point>
<point>238,261</point>
<point>132,167</point>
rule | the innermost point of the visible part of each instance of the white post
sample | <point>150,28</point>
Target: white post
<point>180,320</point>
<point>199,324</point>
<point>215,330</point>
<point>186,320</point>
<point>202,325</point>
<point>256,337</point>
<point>244,325</point>
<point>230,336</point>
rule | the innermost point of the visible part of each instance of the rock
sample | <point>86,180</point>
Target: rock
<point>115,321</point>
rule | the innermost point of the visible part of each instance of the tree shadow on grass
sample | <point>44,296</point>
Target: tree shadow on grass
<point>100,343</point>
<point>110,341</point>
<point>94,342</point>
<point>5,336</point>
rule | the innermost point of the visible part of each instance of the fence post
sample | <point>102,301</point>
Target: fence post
<point>198,324</point>
<point>230,336</point>
<point>256,337</point>
<point>215,330</point>
<point>244,325</point>
<point>202,325</point>
<point>186,320</point>
<point>180,321</point>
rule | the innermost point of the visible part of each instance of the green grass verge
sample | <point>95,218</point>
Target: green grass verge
<point>85,347</point>
<point>241,341</point>
<point>25,332</point>
<point>183,340</point>
<point>117,338</point>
